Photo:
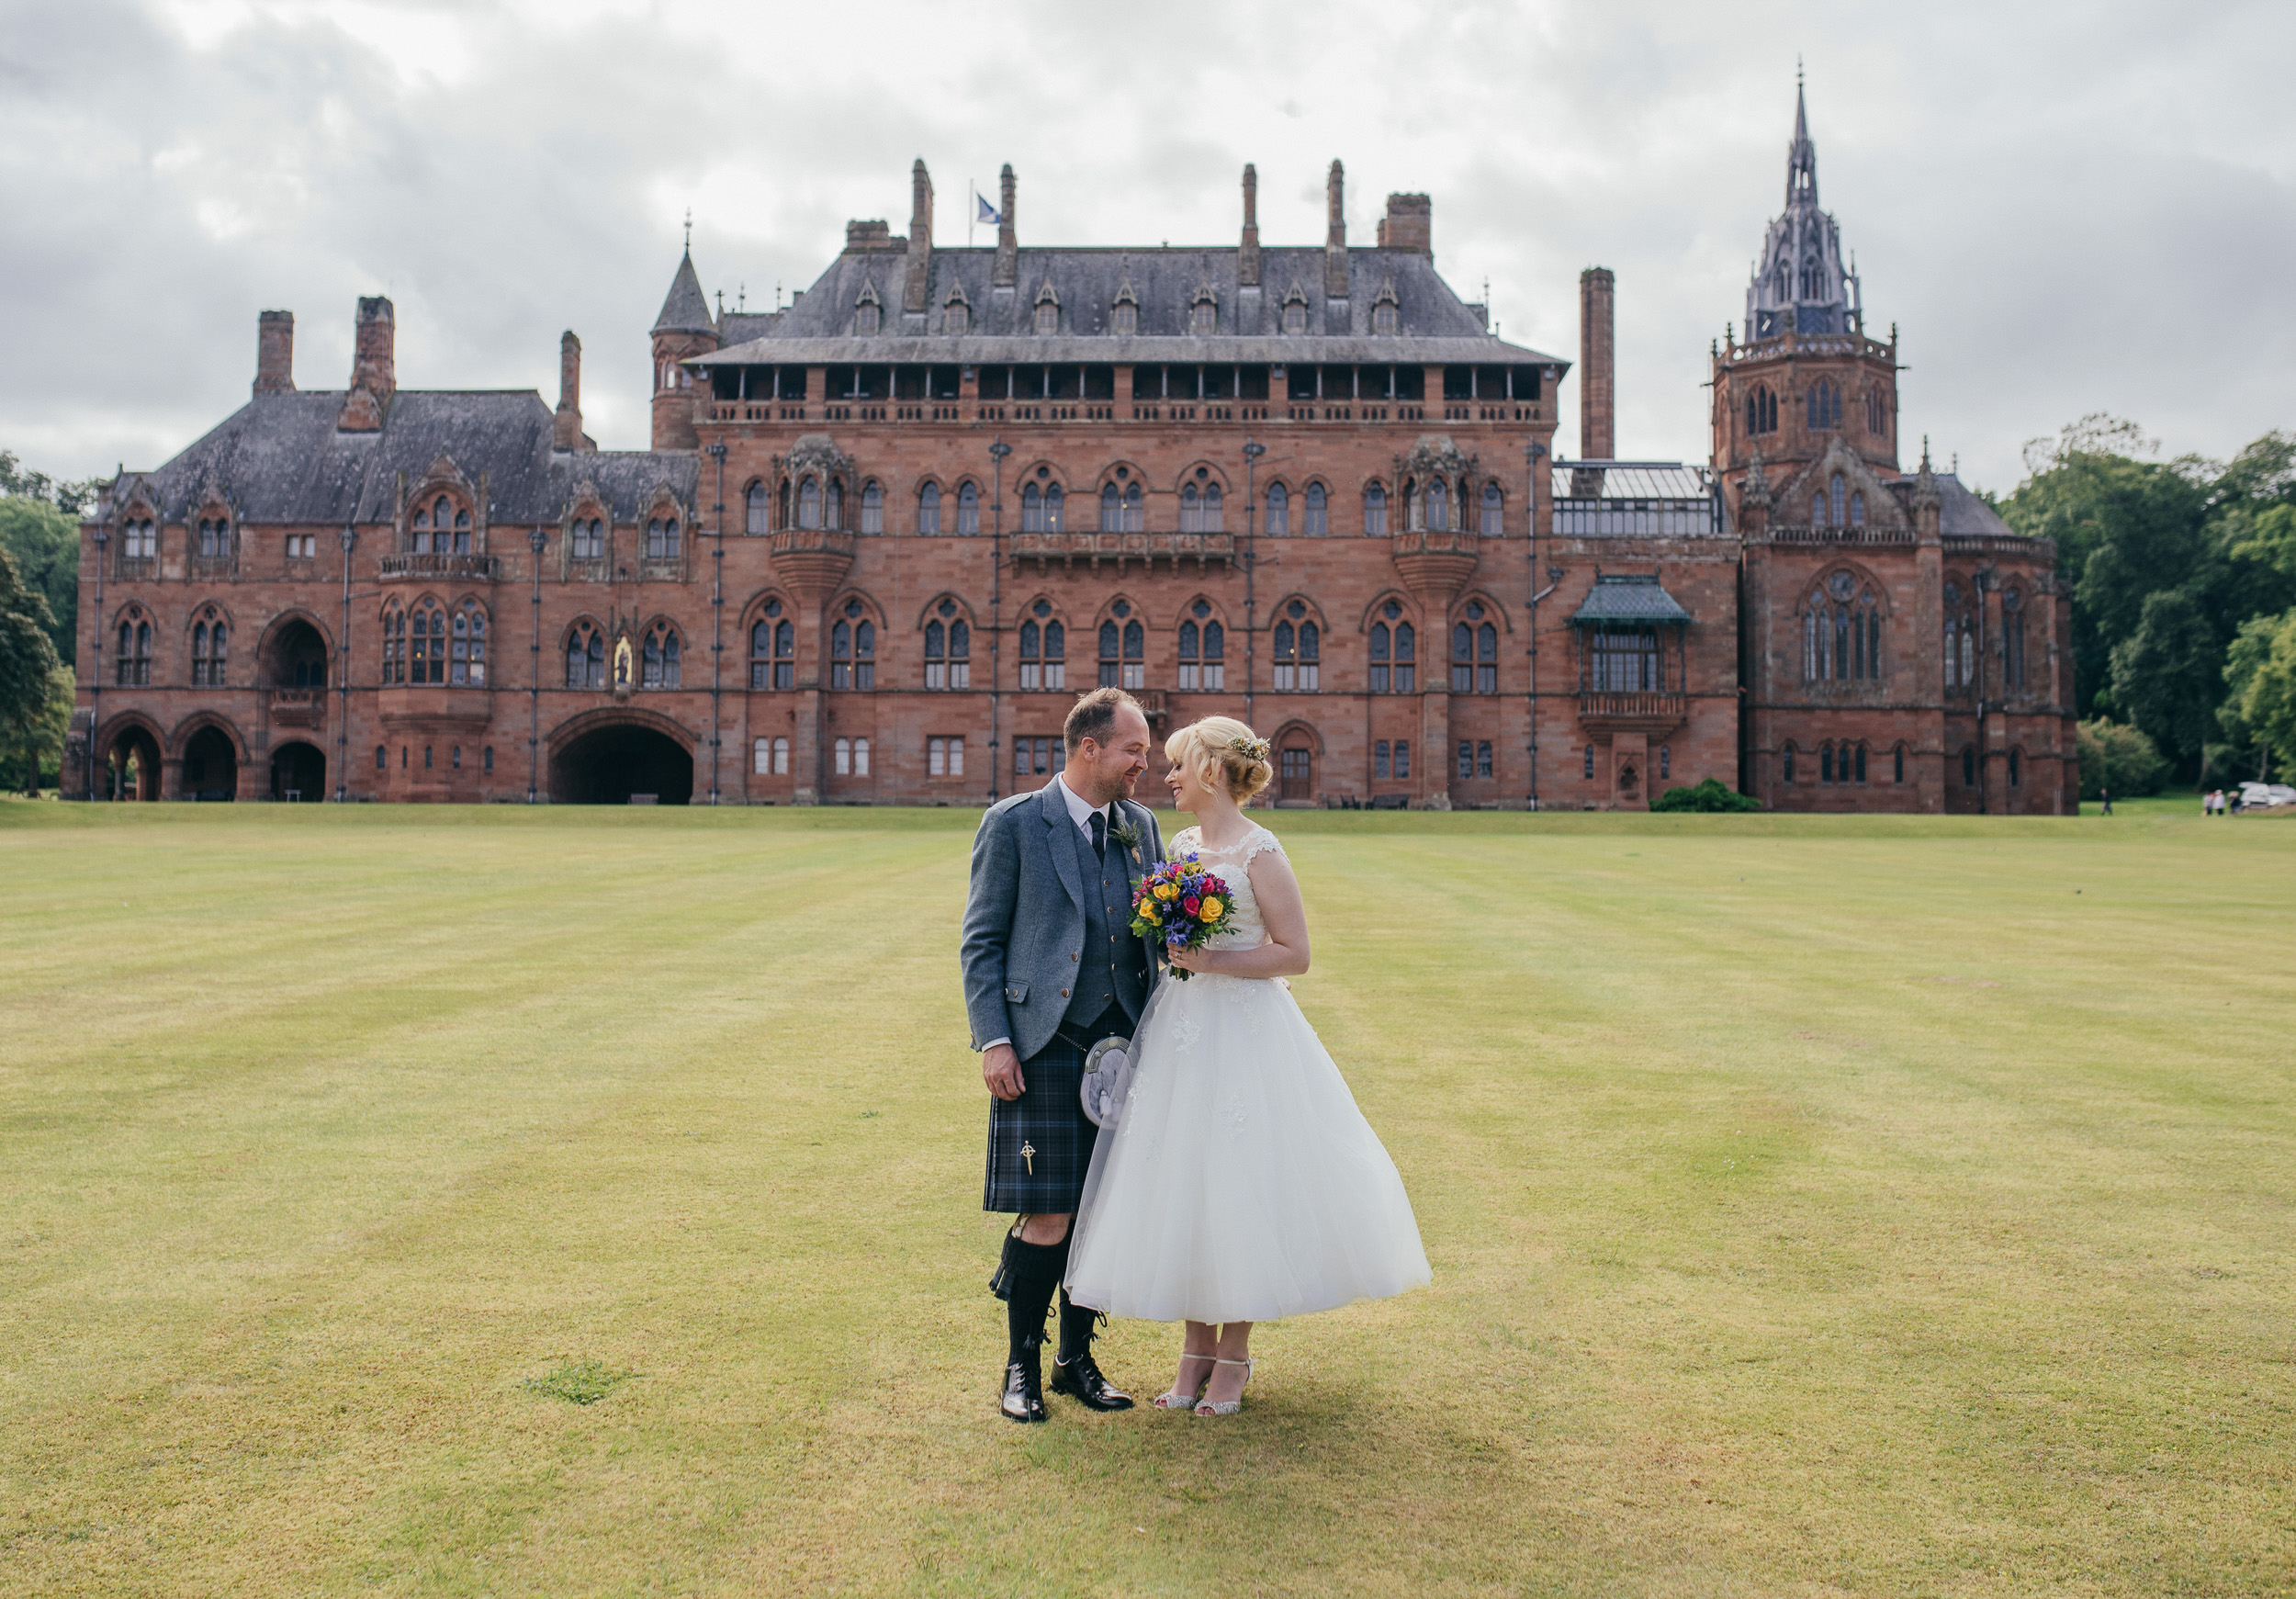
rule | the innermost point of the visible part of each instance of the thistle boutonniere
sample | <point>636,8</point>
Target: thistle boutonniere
<point>1126,834</point>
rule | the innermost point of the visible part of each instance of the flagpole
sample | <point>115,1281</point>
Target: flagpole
<point>972,209</point>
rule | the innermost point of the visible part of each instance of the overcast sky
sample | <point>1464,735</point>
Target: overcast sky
<point>2065,209</point>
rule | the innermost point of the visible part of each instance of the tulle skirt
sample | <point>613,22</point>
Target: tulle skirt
<point>1242,1183</point>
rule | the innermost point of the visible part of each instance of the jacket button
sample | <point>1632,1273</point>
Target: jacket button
<point>1072,957</point>
<point>1064,994</point>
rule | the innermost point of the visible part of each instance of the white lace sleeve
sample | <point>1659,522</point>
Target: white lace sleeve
<point>1184,841</point>
<point>1260,843</point>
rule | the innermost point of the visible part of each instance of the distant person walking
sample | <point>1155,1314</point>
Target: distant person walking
<point>2106,794</point>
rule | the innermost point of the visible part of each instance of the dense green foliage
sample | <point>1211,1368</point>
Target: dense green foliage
<point>45,544</point>
<point>1709,796</point>
<point>2118,759</point>
<point>2168,562</point>
<point>30,670</point>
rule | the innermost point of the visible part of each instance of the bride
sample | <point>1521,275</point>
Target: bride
<point>1241,1184</point>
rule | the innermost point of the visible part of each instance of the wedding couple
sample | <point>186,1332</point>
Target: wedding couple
<point>1239,1183</point>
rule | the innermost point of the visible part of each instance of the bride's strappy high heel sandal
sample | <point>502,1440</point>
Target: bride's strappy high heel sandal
<point>1176,1400</point>
<point>1224,1407</point>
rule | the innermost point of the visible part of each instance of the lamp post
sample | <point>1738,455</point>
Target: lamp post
<point>96,677</point>
<point>716,452</point>
<point>349,539</point>
<point>535,541</point>
<point>998,451</point>
<point>1253,451</point>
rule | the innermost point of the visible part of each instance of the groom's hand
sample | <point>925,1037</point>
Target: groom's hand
<point>1000,1069</point>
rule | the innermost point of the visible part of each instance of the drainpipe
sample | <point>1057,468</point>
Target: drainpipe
<point>535,542</point>
<point>716,452</point>
<point>1253,451</point>
<point>349,539</point>
<point>996,453</point>
<point>1531,454</point>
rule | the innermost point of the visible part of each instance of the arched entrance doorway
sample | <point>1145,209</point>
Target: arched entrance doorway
<point>297,658</point>
<point>298,772</point>
<point>131,766</point>
<point>614,764</point>
<point>211,766</point>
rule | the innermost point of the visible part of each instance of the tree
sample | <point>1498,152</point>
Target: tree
<point>71,499</point>
<point>39,755</point>
<point>2118,757</point>
<point>2169,676</point>
<point>27,660</point>
<point>1709,796</point>
<point>46,547</point>
<point>2262,672</point>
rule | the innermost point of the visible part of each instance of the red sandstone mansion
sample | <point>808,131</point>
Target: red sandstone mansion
<point>885,535</point>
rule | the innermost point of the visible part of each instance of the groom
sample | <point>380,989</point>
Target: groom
<point>1051,968</point>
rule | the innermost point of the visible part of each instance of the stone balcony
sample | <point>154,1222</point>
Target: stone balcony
<point>1647,713</point>
<point>298,707</point>
<point>1071,549</point>
<point>401,569</point>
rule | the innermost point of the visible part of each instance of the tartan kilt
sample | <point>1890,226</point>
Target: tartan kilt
<point>1049,1118</point>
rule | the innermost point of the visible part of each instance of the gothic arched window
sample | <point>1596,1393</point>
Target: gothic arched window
<point>442,528</point>
<point>968,508</point>
<point>948,650</point>
<point>585,658</point>
<point>1761,411</point>
<point>1835,495</point>
<point>1314,521</point>
<point>1438,505</point>
<point>394,645</point>
<point>809,502</point>
<point>208,638</point>
<point>928,510</point>
<point>1203,316</point>
<point>2012,640</point>
<point>853,649</point>
<point>754,500</point>
<point>773,649</point>
<point>1823,406</point>
<point>1048,311</point>
<point>1857,508</point>
<point>426,644</point>
<point>872,510</point>
<point>833,503</point>
<point>1374,512</point>
<point>662,538</point>
<point>1278,511</point>
<point>1494,504</point>
<point>1296,312</point>
<point>215,537</point>
<point>661,661</point>
<point>586,538</point>
<point>469,649</point>
<point>1120,508</point>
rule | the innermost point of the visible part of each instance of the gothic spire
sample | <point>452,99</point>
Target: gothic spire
<point>1801,159</point>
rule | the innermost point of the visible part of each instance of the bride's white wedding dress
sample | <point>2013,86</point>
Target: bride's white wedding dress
<point>1242,1183</point>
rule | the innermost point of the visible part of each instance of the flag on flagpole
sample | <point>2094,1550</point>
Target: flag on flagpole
<point>987,212</point>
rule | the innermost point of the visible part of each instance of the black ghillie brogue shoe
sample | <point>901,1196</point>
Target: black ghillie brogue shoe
<point>1081,1381</point>
<point>1024,1388</point>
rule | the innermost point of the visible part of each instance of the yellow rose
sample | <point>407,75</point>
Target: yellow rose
<point>1167,891</point>
<point>1213,908</point>
<point>1148,913</point>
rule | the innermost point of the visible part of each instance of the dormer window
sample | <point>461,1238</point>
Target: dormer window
<point>1048,311</point>
<point>956,316</point>
<point>1295,311</point>
<point>1386,315</point>
<point>1203,315</point>
<point>865,313</point>
<point>215,537</point>
<point>442,528</point>
<point>139,539</point>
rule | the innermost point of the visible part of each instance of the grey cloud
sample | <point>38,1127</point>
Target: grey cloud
<point>2062,216</point>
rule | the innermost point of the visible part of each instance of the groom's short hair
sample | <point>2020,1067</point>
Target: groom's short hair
<point>1093,715</point>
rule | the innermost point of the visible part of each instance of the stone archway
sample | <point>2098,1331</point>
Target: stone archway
<point>211,766</point>
<point>298,772</point>
<point>620,763</point>
<point>131,767</point>
<point>295,656</point>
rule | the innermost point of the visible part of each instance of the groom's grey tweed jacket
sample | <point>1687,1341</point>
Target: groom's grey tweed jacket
<point>1024,920</point>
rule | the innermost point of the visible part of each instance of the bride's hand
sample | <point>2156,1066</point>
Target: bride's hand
<point>1197,960</point>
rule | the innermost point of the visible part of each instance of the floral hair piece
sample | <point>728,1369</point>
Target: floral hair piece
<point>1250,748</point>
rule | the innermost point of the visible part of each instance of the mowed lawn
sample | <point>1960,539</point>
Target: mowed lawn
<point>1817,1207</point>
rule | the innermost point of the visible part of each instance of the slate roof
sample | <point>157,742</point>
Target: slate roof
<point>1960,512</point>
<point>1628,597</point>
<point>687,309</point>
<point>279,459</point>
<point>1433,323</point>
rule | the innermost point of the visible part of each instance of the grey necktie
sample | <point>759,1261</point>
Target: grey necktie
<point>1100,836</point>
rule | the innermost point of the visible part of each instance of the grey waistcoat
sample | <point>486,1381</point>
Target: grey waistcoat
<point>1114,968</point>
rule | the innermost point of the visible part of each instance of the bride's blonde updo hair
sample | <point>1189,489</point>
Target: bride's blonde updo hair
<point>1222,752</point>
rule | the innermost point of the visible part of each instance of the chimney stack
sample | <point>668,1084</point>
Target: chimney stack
<point>373,375</point>
<point>1247,255</point>
<point>1598,435</point>
<point>1409,225</point>
<point>566,428</point>
<point>1335,237</point>
<point>275,352</point>
<point>917,280</point>
<point>1007,270</point>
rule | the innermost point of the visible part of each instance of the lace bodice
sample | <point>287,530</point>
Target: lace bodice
<point>1246,930</point>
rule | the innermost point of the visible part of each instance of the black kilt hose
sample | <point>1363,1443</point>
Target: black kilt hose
<point>1040,1145</point>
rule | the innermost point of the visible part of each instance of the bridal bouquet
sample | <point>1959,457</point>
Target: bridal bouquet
<point>1180,905</point>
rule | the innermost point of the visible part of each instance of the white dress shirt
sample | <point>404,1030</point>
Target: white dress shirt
<point>1081,812</point>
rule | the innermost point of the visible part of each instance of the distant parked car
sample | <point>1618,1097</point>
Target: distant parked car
<point>2255,797</point>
